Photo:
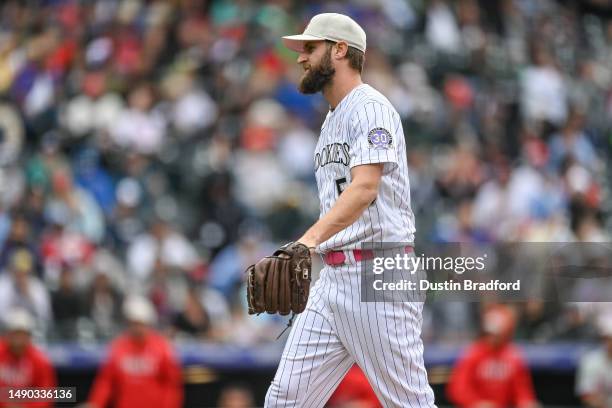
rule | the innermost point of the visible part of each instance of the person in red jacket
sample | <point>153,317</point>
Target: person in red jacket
<point>492,373</point>
<point>23,365</point>
<point>141,369</point>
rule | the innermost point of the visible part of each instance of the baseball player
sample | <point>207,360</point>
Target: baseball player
<point>362,178</point>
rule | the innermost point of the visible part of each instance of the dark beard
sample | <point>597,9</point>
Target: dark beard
<point>318,77</point>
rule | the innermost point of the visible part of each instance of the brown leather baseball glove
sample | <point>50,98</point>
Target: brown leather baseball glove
<point>280,283</point>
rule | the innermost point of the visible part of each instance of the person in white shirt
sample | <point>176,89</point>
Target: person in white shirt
<point>594,377</point>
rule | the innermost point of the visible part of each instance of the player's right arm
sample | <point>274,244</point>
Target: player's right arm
<point>349,206</point>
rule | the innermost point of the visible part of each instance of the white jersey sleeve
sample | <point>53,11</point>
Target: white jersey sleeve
<point>374,136</point>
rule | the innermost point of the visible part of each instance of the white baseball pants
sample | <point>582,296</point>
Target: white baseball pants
<point>336,330</point>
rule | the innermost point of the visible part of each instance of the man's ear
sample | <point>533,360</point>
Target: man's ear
<point>340,50</point>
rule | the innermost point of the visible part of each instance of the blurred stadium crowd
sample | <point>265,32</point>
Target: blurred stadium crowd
<point>160,147</point>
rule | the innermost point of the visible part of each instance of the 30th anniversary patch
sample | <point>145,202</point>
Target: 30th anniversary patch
<point>380,138</point>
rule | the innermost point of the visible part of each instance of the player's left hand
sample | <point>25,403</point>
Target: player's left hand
<point>280,283</point>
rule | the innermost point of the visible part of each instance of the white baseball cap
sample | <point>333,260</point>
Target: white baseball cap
<point>329,26</point>
<point>19,319</point>
<point>139,309</point>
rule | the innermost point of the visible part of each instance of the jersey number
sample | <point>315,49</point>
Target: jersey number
<point>341,185</point>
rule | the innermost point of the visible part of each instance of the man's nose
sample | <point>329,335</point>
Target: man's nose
<point>301,58</point>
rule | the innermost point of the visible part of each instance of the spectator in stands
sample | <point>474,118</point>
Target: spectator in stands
<point>572,141</point>
<point>76,207</point>
<point>103,306</point>
<point>543,89</point>
<point>218,310</point>
<point>227,268</point>
<point>20,288</point>
<point>19,238</point>
<point>32,207</point>
<point>162,243</point>
<point>60,246</point>
<point>442,30</point>
<point>193,319</point>
<point>594,378</point>
<point>492,373</point>
<point>13,183</point>
<point>462,173</point>
<point>140,128</point>
<point>94,179</point>
<point>67,303</point>
<point>22,364</point>
<point>48,159</point>
<point>587,226</point>
<point>141,369</point>
<point>491,206</point>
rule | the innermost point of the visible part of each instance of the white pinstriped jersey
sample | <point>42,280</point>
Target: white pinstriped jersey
<point>365,129</point>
